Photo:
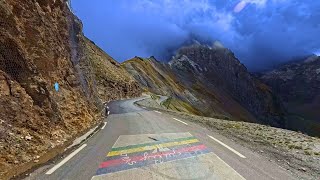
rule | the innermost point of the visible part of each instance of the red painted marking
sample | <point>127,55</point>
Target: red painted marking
<point>115,162</point>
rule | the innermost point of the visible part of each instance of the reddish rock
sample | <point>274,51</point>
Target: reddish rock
<point>41,43</point>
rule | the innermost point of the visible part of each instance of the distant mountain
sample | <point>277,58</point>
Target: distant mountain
<point>212,81</point>
<point>298,85</point>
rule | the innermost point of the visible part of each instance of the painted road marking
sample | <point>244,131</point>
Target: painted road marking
<point>226,146</point>
<point>125,157</point>
<point>52,170</point>
<point>151,147</point>
<point>158,112</point>
<point>128,162</point>
<point>203,166</point>
<point>105,123</point>
<point>152,143</point>
<point>108,112</point>
<point>140,175</point>
<point>180,121</point>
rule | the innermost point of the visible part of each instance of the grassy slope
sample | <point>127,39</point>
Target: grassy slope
<point>164,81</point>
<point>197,99</point>
<point>160,81</point>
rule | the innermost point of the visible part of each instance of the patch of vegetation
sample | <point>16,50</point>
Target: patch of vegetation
<point>167,102</point>
<point>182,106</point>
<point>294,146</point>
<point>306,152</point>
<point>233,126</point>
<point>155,97</point>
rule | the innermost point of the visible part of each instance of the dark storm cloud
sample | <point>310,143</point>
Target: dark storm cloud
<point>260,32</point>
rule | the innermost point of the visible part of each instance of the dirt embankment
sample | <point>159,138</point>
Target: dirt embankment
<point>41,43</point>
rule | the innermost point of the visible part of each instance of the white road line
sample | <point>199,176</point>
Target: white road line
<point>180,121</point>
<point>105,123</point>
<point>240,177</point>
<point>52,170</point>
<point>226,146</point>
<point>108,112</point>
<point>158,112</point>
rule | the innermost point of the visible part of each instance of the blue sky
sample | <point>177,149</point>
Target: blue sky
<point>260,32</point>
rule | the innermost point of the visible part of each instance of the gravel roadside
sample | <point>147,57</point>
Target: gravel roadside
<point>294,151</point>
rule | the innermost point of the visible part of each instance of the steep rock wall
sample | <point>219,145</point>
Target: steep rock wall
<point>41,43</point>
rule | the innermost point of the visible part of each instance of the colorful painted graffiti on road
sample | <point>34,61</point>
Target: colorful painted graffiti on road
<point>140,155</point>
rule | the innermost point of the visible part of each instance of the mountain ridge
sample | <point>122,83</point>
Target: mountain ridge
<point>298,85</point>
<point>209,84</point>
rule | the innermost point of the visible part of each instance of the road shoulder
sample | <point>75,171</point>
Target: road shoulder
<point>283,147</point>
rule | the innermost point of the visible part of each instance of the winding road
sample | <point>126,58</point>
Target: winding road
<point>140,143</point>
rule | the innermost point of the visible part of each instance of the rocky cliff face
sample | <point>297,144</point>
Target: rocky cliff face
<point>213,81</point>
<point>41,43</point>
<point>298,85</point>
<point>219,71</point>
<point>108,79</point>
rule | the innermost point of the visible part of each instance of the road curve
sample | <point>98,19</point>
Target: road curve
<point>139,143</point>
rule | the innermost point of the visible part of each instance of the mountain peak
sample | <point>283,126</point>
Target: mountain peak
<point>311,58</point>
<point>196,42</point>
<point>218,45</point>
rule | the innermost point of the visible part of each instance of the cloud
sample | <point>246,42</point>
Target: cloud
<point>199,19</point>
<point>240,6</point>
<point>183,12</point>
<point>258,3</point>
<point>260,32</point>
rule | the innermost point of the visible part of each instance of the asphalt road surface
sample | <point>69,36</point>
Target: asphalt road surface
<point>139,143</point>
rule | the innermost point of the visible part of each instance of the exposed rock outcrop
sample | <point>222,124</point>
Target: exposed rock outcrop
<point>41,43</point>
<point>298,86</point>
<point>221,73</point>
<point>109,79</point>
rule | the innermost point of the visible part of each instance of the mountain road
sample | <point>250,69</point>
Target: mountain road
<point>140,143</point>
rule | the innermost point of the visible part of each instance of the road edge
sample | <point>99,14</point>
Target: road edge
<point>54,155</point>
